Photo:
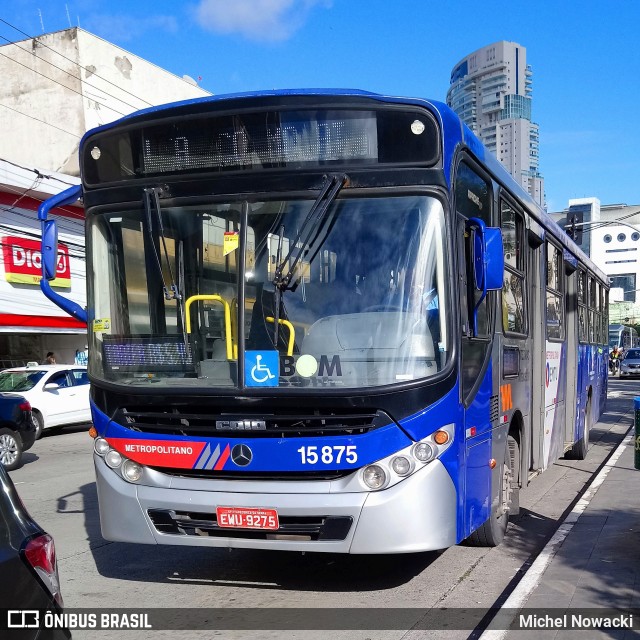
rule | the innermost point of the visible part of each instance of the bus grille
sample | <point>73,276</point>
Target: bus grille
<point>294,476</point>
<point>189,523</point>
<point>283,424</point>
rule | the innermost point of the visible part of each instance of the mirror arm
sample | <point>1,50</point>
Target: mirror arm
<point>475,310</point>
<point>68,196</point>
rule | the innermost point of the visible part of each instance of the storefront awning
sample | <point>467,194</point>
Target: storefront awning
<point>12,322</point>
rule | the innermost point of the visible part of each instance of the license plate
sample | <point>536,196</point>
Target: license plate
<point>247,518</point>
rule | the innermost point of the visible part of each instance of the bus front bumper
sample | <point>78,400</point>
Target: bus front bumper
<point>417,514</point>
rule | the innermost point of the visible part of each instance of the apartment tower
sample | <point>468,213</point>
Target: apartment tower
<point>491,91</point>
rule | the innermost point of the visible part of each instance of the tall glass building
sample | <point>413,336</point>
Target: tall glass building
<point>491,91</point>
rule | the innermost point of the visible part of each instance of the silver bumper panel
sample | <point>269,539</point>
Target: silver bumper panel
<point>418,514</point>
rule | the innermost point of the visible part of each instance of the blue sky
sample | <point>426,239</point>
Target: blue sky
<point>583,53</point>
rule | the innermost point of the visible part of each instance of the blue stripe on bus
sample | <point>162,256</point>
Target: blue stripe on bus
<point>278,454</point>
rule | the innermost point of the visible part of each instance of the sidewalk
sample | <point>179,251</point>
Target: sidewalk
<point>597,565</point>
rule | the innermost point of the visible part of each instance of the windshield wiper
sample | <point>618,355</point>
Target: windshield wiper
<point>152,201</point>
<point>328,193</point>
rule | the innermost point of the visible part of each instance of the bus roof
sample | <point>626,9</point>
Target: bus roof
<point>454,131</point>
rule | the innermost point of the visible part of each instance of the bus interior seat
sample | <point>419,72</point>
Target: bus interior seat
<point>217,369</point>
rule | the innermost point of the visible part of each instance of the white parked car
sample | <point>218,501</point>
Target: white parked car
<point>58,393</point>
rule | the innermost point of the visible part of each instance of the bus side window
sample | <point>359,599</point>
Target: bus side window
<point>514,318</point>
<point>555,294</point>
<point>583,324</point>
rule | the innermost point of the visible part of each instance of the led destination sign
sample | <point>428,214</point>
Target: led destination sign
<point>298,139</point>
<point>262,140</point>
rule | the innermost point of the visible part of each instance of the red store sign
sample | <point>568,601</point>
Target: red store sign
<point>23,262</point>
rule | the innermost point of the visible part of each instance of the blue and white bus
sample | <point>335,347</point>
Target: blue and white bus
<point>324,321</point>
<point>622,337</point>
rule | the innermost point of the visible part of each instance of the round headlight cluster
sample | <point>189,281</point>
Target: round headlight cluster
<point>423,451</point>
<point>402,465</point>
<point>389,471</point>
<point>101,446</point>
<point>374,476</point>
<point>130,470</point>
<point>113,459</point>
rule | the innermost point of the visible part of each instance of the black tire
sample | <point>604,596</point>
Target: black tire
<point>10,449</point>
<point>38,422</point>
<point>581,448</point>
<point>492,532</point>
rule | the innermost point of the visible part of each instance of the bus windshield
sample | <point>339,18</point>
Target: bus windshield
<point>366,303</point>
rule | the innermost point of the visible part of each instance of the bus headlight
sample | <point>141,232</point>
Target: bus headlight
<point>113,459</point>
<point>401,465</point>
<point>423,452</point>
<point>374,476</point>
<point>131,471</point>
<point>101,446</point>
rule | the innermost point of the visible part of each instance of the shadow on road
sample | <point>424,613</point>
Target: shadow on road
<point>29,457</point>
<point>52,432</point>
<point>84,501</point>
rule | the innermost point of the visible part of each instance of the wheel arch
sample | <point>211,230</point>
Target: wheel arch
<point>517,432</point>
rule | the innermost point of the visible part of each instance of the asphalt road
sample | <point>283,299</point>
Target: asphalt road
<point>57,485</point>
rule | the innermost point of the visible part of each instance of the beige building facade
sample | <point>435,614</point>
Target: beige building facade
<point>54,88</point>
<point>59,85</point>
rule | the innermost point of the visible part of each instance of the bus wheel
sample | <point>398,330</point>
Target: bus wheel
<point>491,533</point>
<point>580,448</point>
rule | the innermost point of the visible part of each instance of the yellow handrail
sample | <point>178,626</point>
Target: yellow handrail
<point>227,317</point>
<point>292,333</point>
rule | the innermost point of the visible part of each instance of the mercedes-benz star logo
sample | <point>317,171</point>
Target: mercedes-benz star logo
<point>241,455</point>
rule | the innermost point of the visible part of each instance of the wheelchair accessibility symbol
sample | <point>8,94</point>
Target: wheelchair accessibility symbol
<point>261,368</point>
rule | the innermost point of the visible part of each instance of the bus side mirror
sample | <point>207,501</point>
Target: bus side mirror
<point>494,258</point>
<point>488,256</point>
<point>49,249</point>
<point>487,261</point>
